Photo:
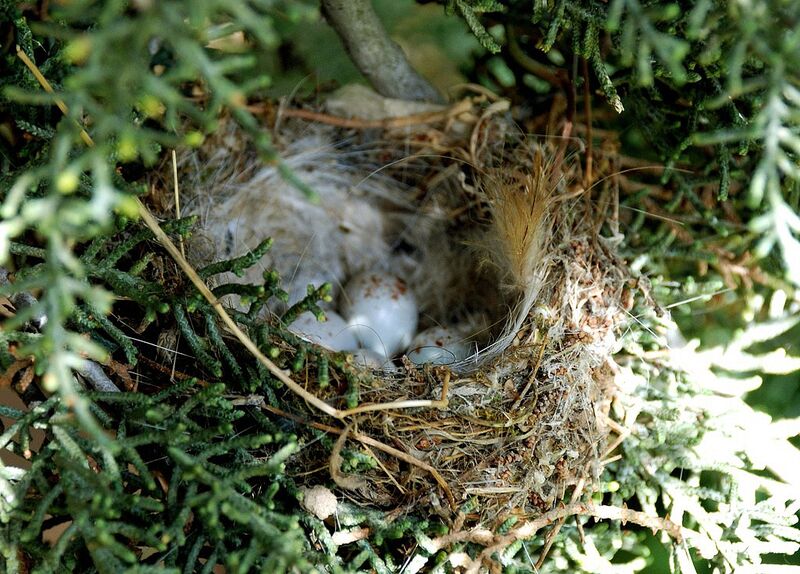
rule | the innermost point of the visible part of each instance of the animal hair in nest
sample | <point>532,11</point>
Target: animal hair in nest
<point>498,242</point>
<point>362,217</point>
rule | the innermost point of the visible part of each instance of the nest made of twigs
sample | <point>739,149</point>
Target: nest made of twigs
<point>497,232</point>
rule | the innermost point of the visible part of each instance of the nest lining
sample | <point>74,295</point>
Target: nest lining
<point>489,233</point>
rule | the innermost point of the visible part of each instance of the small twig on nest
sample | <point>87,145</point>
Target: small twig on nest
<point>177,191</point>
<point>405,457</point>
<point>551,536</point>
<point>409,404</point>
<point>553,76</point>
<point>494,543</point>
<point>532,378</point>
<point>179,375</point>
<point>622,433</point>
<point>385,470</point>
<point>342,537</point>
<point>423,118</point>
<point>186,267</point>
<point>342,480</point>
<point>477,88</point>
<point>498,107</point>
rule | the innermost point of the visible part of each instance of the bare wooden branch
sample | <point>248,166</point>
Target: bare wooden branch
<point>376,55</point>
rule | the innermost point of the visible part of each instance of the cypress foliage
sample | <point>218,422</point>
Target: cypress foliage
<point>188,472</point>
<point>708,86</point>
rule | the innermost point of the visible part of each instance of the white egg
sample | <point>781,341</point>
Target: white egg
<point>382,310</point>
<point>334,334</point>
<point>438,346</point>
<point>367,359</point>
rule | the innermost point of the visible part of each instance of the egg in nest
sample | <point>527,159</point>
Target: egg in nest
<point>386,240</point>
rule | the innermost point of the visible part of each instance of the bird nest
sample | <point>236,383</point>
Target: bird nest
<point>497,236</point>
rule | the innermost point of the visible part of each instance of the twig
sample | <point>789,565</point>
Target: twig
<point>409,404</point>
<point>342,480</point>
<point>278,373</point>
<point>532,378</point>
<point>552,76</point>
<point>385,470</point>
<point>494,108</point>
<point>551,536</point>
<point>342,537</point>
<point>422,118</point>
<point>617,513</point>
<point>622,433</point>
<point>494,543</point>
<point>177,196</point>
<point>49,89</point>
<point>405,457</point>
<point>175,374</point>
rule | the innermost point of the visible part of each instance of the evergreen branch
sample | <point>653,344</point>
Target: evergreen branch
<point>470,11</point>
<point>238,265</point>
